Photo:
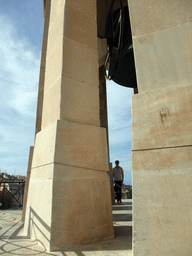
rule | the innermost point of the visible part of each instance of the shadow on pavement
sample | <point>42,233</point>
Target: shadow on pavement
<point>13,243</point>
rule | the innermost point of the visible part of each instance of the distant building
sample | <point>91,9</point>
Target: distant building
<point>126,192</point>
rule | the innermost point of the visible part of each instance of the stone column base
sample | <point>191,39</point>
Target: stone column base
<point>69,201</point>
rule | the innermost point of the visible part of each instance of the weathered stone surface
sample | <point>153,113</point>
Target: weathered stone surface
<point>162,202</point>
<point>167,159</point>
<point>69,199</point>
<point>79,196</point>
<point>71,59</point>
<point>164,58</point>
<point>79,102</point>
<point>54,59</point>
<point>57,7</point>
<point>56,32</point>
<point>42,67</point>
<point>76,210</point>
<point>162,127</point>
<point>162,118</point>
<point>161,160</point>
<point>148,16</point>
<point>72,144</point>
<point>80,62</point>
<point>86,7</point>
<point>44,149</point>
<point>27,182</point>
<point>39,205</point>
<point>51,104</point>
<point>82,28</point>
<point>81,145</point>
<point>71,100</point>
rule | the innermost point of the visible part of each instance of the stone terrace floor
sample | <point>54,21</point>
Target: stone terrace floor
<point>13,243</point>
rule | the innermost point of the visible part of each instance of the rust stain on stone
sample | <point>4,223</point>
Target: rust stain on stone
<point>164,113</point>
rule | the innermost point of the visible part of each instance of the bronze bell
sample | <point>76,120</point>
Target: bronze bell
<point>121,65</point>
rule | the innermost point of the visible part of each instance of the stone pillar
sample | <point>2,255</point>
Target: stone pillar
<point>27,182</point>
<point>162,121</point>
<point>47,8</point>
<point>111,184</point>
<point>69,193</point>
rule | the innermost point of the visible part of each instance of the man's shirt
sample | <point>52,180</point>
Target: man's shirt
<point>118,173</point>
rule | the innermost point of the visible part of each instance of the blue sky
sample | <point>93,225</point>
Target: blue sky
<point>21,23</point>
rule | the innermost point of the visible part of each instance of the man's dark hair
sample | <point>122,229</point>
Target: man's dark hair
<point>117,161</point>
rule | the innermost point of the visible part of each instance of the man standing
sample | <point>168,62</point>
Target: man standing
<point>118,176</point>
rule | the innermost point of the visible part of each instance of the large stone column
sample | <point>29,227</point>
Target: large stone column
<point>162,121</point>
<point>27,182</point>
<point>40,96</point>
<point>69,192</point>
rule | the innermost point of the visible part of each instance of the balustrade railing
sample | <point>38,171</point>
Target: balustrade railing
<point>11,194</point>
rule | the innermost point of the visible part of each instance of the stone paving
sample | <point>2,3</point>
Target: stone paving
<point>13,243</point>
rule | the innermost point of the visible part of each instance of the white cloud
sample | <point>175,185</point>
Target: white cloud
<point>19,68</point>
<point>119,113</point>
<point>19,75</point>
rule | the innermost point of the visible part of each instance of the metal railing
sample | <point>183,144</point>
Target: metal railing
<point>11,194</point>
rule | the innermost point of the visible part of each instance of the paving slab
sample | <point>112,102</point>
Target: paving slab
<point>13,243</point>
